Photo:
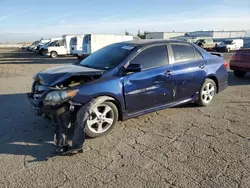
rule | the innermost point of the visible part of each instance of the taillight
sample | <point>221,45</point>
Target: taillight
<point>225,64</point>
<point>233,57</point>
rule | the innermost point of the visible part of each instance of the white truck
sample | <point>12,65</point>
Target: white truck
<point>94,42</point>
<point>61,47</point>
<point>42,47</point>
<point>230,44</point>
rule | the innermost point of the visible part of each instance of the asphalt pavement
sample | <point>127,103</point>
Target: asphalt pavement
<point>186,146</point>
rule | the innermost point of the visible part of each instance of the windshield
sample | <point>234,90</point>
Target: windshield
<point>200,40</point>
<point>53,43</point>
<point>228,42</point>
<point>247,45</point>
<point>108,57</point>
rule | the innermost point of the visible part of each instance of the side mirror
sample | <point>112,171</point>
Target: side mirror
<point>134,68</point>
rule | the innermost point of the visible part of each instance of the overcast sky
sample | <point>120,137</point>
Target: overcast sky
<point>28,20</point>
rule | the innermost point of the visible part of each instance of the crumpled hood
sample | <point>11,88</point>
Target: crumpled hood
<point>56,75</point>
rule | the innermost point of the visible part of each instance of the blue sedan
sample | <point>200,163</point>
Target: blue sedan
<point>129,79</point>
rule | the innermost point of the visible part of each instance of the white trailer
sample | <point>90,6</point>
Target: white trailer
<point>94,42</point>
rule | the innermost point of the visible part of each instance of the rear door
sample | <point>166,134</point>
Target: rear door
<point>152,86</point>
<point>73,44</point>
<point>86,47</point>
<point>189,70</point>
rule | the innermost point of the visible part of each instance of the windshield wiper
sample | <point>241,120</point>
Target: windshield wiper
<point>87,66</point>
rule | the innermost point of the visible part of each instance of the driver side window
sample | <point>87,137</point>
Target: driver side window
<point>152,57</point>
<point>60,43</point>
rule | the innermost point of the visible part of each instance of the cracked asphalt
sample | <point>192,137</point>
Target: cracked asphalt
<point>186,146</point>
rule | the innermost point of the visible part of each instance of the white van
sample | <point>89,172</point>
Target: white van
<point>42,47</point>
<point>230,44</point>
<point>61,47</point>
<point>76,44</point>
<point>94,42</point>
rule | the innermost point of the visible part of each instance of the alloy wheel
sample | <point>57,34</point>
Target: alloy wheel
<point>101,119</point>
<point>208,92</point>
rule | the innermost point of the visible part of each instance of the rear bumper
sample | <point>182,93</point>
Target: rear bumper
<point>222,86</point>
<point>242,66</point>
<point>39,108</point>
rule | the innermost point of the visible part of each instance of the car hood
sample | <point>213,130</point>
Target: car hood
<point>56,75</point>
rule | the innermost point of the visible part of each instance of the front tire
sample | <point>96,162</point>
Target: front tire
<point>102,119</point>
<point>239,74</point>
<point>41,51</point>
<point>207,92</point>
<point>54,54</point>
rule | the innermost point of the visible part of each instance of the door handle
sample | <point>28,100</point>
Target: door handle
<point>202,66</point>
<point>168,73</point>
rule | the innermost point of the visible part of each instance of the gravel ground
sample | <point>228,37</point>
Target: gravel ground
<point>186,146</point>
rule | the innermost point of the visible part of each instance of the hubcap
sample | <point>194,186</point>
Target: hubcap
<point>101,119</point>
<point>208,92</point>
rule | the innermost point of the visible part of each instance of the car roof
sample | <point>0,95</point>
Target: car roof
<point>148,42</point>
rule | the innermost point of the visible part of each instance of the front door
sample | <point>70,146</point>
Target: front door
<point>152,86</point>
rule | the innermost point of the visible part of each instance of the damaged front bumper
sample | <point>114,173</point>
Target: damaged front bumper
<point>39,108</point>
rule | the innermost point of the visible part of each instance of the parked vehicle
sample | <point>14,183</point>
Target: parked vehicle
<point>32,46</point>
<point>42,47</point>
<point>207,44</point>
<point>62,47</point>
<point>129,79</point>
<point>41,42</point>
<point>76,45</point>
<point>240,62</point>
<point>229,45</point>
<point>94,42</point>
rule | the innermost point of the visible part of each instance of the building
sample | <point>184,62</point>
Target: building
<point>163,35</point>
<point>217,34</point>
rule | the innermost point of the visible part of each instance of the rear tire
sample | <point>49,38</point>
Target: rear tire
<point>54,54</point>
<point>239,74</point>
<point>80,57</point>
<point>207,92</point>
<point>41,51</point>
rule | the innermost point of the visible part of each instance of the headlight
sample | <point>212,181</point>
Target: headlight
<point>34,76</point>
<point>57,96</point>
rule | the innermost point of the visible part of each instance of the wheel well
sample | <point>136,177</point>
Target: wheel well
<point>216,82</point>
<point>118,106</point>
<point>52,52</point>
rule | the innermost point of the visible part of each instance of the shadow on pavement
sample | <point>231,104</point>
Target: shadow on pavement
<point>19,56</point>
<point>21,132</point>
<point>234,81</point>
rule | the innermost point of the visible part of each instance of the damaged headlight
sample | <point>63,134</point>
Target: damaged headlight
<point>55,97</point>
<point>34,76</point>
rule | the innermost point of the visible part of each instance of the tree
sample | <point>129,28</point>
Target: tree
<point>142,36</point>
<point>127,33</point>
<point>139,33</point>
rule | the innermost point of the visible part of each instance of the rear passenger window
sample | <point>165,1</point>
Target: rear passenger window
<point>152,57</point>
<point>183,53</point>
